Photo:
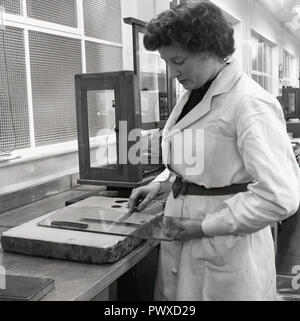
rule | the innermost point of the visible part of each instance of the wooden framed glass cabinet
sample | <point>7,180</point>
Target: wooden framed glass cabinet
<point>120,116</point>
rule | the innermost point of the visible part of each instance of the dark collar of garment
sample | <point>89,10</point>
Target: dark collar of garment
<point>195,97</point>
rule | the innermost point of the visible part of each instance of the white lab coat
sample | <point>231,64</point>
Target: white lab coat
<point>243,138</point>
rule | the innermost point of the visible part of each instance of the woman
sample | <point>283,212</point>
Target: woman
<point>243,178</point>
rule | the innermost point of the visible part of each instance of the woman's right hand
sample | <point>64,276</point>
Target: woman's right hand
<point>140,197</point>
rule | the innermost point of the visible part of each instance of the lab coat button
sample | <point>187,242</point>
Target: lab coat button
<point>174,271</point>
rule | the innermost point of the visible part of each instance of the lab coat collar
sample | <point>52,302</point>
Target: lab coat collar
<point>223,83</point>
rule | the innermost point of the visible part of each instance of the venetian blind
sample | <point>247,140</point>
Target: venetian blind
<point>11,6</point>
<point>102,19</point>
<point>14,123</point>
<point>57,11</point>
<point>54,61</point>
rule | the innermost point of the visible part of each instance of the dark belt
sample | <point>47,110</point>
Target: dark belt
<point>184,188</point>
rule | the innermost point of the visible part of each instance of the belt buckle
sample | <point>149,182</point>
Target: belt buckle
<point>177,186</point>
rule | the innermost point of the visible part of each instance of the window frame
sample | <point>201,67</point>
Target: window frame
<point>27,24</point>
<point>262,69</point>
<point>288,63</point>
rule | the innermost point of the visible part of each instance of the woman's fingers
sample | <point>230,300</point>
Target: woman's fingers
<point>144,202</point>
<point>139,200</point>
<point>140,197</point>
<point>133,199</point>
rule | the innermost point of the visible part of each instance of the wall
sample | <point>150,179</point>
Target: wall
<point>43,165</point>
<point>264,24</point>
<point>253,16</point>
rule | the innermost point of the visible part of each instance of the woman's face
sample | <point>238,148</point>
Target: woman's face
<point>191,70</point>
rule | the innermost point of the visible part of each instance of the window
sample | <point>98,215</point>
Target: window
<point>14,118</point>
<point>53,60</point>
<point>61,12</point>
<point>261,53</point>
<point>287,69</point>
<point>12,6</point>
<point>39,57</point>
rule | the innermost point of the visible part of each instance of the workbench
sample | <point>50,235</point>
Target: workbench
<point>82,281</point>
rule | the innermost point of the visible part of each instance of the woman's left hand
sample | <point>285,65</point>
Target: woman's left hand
<point>181,229</point>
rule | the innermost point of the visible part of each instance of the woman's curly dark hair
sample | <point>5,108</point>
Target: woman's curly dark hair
<point>197,27</point>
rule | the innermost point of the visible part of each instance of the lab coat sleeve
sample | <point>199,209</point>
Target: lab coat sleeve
<point>166,179</point>
<point>268,156</point>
